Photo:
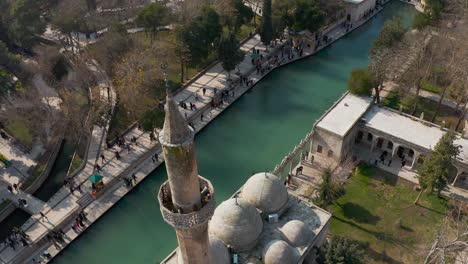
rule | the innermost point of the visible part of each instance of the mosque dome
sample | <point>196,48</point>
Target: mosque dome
<point>279,252</point>
<point>219,252</point>
<point>297,233</point>
<point>236,223</point>
<point>266,192</point>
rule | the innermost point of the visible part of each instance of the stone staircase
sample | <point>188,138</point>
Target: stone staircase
<point>85,200</point>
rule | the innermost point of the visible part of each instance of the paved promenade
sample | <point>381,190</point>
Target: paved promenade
<point>139,159</point>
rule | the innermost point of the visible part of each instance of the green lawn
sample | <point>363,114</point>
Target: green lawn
<point>19,129</point>
<point>373,205</point>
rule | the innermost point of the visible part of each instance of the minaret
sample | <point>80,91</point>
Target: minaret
<point>186,200</point>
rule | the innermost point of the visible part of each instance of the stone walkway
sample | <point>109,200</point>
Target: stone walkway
<point>139,159</point>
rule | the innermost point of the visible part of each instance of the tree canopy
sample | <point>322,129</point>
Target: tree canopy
<point>199,35</point>
<point>229,53</point>
<point>433,176</point>
<point>340,250</point>
<point>391,33</point>
<point>360,82</point>
<point>152,17</point>
<point>266,28</point>
<point>307,15</point>
<point>328,190</point>
<point>24,22</point>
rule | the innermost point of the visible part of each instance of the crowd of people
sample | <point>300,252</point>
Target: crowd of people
<point>17,238</point>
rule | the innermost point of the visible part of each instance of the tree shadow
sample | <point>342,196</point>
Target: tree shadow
<point>359,214</point>
<point>381,256</point>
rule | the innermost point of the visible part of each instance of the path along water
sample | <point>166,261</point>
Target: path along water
<point>252,135</point>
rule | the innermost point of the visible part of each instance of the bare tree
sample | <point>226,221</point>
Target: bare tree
<point>451,240</point>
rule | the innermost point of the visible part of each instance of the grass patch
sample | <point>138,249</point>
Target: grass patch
<point>18,127</point>
<point>447,116</point>
<point>430,87</point>
<point>377,211</point>
<point>76,163</point>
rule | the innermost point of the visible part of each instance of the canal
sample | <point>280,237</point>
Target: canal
<point>251,136</point>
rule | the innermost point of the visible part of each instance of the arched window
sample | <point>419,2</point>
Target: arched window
<point>390,145</point>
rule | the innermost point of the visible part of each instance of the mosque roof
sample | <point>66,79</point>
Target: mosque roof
<point>236,223</point>
<point>296,233</point>
<point>265,191</point>
<point>280,252</point>
<point>219,252</point>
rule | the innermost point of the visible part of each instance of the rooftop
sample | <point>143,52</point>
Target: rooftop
<point>344,114</point>
<point>298,208</point>
<point>354,1</point>
<point>410,129</point>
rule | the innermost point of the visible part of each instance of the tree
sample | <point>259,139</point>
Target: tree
<point>234,13</point>
<point>199,36</point>
<point>360,82</point>
<point>26,22</point>
<point>451,240</point>
<point>435,173</point>
<point>307,15</point>
<point>340,250</point>
<point>152,17</point>
<point>392,33</point>
<point>378,68</point>
<point>266,28</point>
<point>328,190</point>
<point>8,59</point>
<point>229,53</point>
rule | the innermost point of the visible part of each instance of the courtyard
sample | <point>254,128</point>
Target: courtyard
<point>377,211</point>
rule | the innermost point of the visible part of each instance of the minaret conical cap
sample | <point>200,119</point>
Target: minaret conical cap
<point>176,129</point>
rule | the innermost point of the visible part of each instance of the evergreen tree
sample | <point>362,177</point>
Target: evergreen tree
<point>229,53</point>
<point>391,33</point>
<point>152,17</point>
<point>328,190</point>
<point>360,82</point>
<point>435,173</point>
<point>340,250</point>
<point>266,29</point>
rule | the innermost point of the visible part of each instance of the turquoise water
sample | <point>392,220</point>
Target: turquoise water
<point>252,135</point>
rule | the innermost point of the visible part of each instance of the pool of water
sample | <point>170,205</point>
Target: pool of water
<point>251,136</point>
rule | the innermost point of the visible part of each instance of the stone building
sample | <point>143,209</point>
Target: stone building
<point>264,222</point>
<point>357,9</point>
<point>356,128</point>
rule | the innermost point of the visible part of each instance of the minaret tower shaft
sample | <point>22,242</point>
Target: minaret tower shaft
<point>186,199</point>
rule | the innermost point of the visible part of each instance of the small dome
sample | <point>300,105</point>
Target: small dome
<point>279,252</point>
<point>297,233</point>
<point>219,252</point>
<point>236,223</point>
<point>266,192</point>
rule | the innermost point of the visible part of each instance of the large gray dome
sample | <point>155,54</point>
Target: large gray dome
<point>219,252</point>
<point>279,252</point>
<point>297,233</point>
<point>236,223</point>
<point>266,192</point>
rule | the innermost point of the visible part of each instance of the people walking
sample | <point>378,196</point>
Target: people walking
<point>134,178</point>
<point>10,188</point>
<point>97,167</point>
<point>117,155</point>
<point>103,158</point>
<point>15,186</point>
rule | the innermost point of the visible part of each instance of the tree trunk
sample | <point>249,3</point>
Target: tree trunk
<point>377,95</point>
<point>439,104</point>
<point>419,196</point>
<point>416,101</point>
<point>462,116</point>
<point>181,72</point>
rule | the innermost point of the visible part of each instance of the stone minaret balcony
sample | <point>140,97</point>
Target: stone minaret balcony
<point>188,220</point>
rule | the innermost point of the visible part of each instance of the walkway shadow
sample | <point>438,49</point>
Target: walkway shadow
<point>384,176</point>
<point>359,214</point>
